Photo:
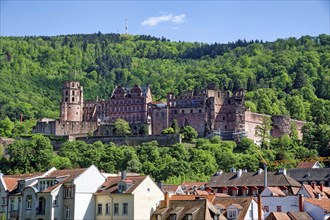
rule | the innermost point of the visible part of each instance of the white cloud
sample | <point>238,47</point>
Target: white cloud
<point>153,21</point>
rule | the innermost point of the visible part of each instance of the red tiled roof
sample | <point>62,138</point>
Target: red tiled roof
<point>69,174</point>
<point>210,198</point>
<point>201,192</point>
<point>277,216</point>
<point>189,185</point>
<point>276,191</point>
<point>307,164</point>
<point>299,216</point>
<point>24,175</point>
<point>323,203</point>
<point>244,202</point>
<point>10,182</point>
<point>313,191</point>
<point>111,184</point>
<point>169,188</point>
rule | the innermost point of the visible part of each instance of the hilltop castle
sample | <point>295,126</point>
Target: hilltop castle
<point>209,111</point>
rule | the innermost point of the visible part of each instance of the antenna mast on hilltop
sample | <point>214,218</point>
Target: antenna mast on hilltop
<point>126,27</point>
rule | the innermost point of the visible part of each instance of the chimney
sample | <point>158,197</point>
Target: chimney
<point>313,185</point>
<point>260,217</point>
<point>281,171</point>
<point>166,200</point>
<point>239,173</point>
<point>260,171</point>
<point>123,175</point>
<point>265,176</point>
<point>301,203</point>
<point>321,187</point>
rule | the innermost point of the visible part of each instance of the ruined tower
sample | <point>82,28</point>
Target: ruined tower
<point>72,101</point>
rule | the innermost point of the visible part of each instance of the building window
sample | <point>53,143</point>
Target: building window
<point>67,212</point>
<point>125,209</point>
<point>266,208</point>
<point>182,111</point>
<point>200,111</point>
<point>279,208</point>
<point>41,205</point>
<point>159,217</point>
<point>189,216</point>
<point>107,208</point>
<point>56,201</point>
<point>116,209</point>
<point>72,92</point>
<point>223,118</point>
<point>68,192</point>
<point>12,204</point>
<point>173,217</point>
<point>73,99</point>
<point>28,202</point>
<point>175,112</point>
<point>191,111</point>
<point>66,99</point>
<point>232,214</point>
<point>99,209</point>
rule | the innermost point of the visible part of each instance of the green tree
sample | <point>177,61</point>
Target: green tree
<point>6,127</point>
<point>189,133</point>
<point>121,127</point>
<point>263,132</point>
<point>175,126</point>
<point>168,131</point>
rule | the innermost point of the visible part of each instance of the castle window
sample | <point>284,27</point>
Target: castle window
<point>72,92</point>
<point>72,84</point>
<point>73,99</point>
<point>66,92</point>
<point>157,115</point>
<point>182,111</point>
<point>223,118</point>
<point>229,101</point>
<point>191,111</point>
<point>175,112</point>
<point>200,110</point>
<point>66,99</point>
<point>279,208</point>
<point>225,127</point>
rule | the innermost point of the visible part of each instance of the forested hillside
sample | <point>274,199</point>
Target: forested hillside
<point>282,77</point>
<point>288,76</point>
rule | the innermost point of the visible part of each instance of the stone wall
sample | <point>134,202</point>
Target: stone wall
<point>251,121</point>
<point>163,140</point>
<point>61,128</point>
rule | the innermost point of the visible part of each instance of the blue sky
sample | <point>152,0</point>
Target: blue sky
<point>200,21</point>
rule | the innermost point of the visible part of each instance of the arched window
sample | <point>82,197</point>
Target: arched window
<point>72,92</point>
<point>29,202</point>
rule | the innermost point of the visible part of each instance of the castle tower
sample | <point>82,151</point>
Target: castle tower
<point>72,101</point>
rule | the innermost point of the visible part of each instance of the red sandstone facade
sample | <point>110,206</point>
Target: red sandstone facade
<point>209,111</point>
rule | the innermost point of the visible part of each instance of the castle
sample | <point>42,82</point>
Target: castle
<point>209,111</point>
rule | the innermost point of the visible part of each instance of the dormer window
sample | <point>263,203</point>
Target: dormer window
<point>173,217</point>
<point>121,188</point>
<point>232,214</point>
<point>189,217</point>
